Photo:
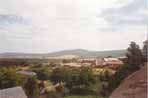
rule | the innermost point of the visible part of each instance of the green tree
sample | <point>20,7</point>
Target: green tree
<point>43,73</point>
<point>134,55</point>
<point>31,87</point>
<point>121,74</point>
<point>57,75</point>
<point>96,89</point>
<point>145,50</point>
<point>86,76</point>
<point>9,78</point>
<point>53,94</point>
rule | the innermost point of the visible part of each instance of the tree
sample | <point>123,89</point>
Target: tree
<point>43,73</point>
<point>53,94</point>
<point>31,87</point>
<point>9,78</point>
<point>145,50</point>
<point>86,76</point>
<point>57,75</point>
<point>134,55</point>
<point>96,89</point>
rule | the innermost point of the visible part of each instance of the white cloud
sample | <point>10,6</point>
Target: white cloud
<point>49,25</point>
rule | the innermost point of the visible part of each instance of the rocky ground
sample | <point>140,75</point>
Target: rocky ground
<point>134,86</point>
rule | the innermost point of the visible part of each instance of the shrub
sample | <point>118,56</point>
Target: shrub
<point>9,78</point>
<point>53,94</point>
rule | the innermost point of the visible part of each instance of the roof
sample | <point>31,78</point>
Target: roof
<point>73,65</point>
<point>15,92</point>
<point>29,73</point>
<point>113,61</point>
<point>110,59</point>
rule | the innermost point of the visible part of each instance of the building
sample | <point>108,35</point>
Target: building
<point>109,62</point>
<point>88,61</point>
<point>113,63</point>
<point>26,73</point>
<point>100,62</point>
<point>72,65</point>
<point>15,92</point>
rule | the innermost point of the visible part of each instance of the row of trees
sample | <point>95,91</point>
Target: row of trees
<point>77,81</point>
<point>71,81</point>
<point>134,54</point>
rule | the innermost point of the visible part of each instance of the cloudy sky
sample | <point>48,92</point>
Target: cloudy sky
<point>53,25</point>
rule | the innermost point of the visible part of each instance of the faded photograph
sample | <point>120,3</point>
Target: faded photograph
<point>73,48</point>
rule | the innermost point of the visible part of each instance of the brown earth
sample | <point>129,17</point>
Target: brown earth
<point>134,86</point>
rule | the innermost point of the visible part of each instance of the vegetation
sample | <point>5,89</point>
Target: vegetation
<point>9,78</point>
<point>70,82</point>
<point>134,55</point>
<point>43,73</point>
<point>134,60</point>
<point>145,50</point>
<point>81,97</point>
<point>77,81</point>
<point>31,87</point>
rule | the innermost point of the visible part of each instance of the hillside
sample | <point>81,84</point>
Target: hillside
<point>86,53</point>
<point>134,86</point>
<point>77,52</point>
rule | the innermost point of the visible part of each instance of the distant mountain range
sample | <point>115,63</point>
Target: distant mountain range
<point>76,52</point>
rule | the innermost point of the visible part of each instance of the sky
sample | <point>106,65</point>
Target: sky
<point>40,26</point>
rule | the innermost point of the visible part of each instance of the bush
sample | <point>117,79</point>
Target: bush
<point>77,81</point>
<point>53,94</point>
<point>122,73</point>
<point>31,87</point>
<point>9,78</point>
<point>43,73</point>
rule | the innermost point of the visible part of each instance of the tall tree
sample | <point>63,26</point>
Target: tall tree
<point>145,50</point>
<point>31,87</point>
<point>134,55</point>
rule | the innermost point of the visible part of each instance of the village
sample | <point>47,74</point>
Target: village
<point>66,76</point>
<point>52,77</point>
<point>100,66</point>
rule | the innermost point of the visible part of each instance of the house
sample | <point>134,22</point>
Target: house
<point>88,61</point>
<point>72,65</point>
<point>109,62</point>
<point>15,92</point>
<point>123,58</point>
<point>113,63</point>
<point>100,62</point>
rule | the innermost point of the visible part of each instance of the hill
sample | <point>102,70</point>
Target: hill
<point>86,53</point>
<point>77,52</point>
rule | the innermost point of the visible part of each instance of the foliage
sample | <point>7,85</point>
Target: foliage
<point>57,75</point>
<point>134,55</point>
<point>145,49</point>
<point>123,72</point>
<point>53,94</point>
<point>9,78</point>
<point>43,73</point>
<point>69,60</point>
<point>80,81</point>
<point>31,87</point>
<point>81,96</point>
